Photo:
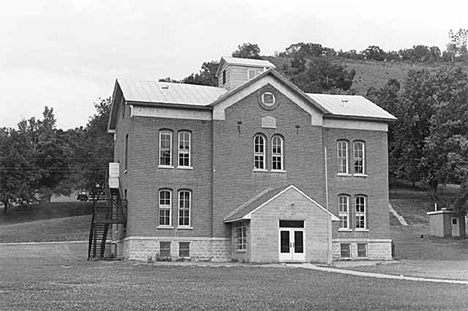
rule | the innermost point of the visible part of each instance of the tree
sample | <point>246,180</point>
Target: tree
<point>458,44</point>
<point>445,151</point>
<point>93,148</point>
<point>374,52</point>
<point>247,50</point>
<point>323,76</point>
<point>206,76</point>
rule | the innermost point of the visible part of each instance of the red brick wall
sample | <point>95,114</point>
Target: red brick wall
<point>235,182</point>
<point>374,185</point>
<point>147,178</point>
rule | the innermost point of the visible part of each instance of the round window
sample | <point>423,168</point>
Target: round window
<point>268,99</point>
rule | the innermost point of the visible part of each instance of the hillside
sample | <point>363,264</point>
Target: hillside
<point>369,73</point>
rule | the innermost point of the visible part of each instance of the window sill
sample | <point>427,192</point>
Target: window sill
<point>258,170</point>
<point>278,171</point>
<point>185,167</point>
<point>344,230</point>
<point>344,175</point>
<point>165,227</point>
<point>360,175</point>
<point>185,228</point>
<point>241,251</point>
<point>165,166</point>
<point>361,230</point>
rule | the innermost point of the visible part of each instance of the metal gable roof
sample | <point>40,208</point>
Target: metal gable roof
<point>351,106</point>
<point>168,93</point>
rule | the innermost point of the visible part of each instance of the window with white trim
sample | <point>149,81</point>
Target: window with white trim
<point>345,250</point>
<point>359,157</point>
<point>259,152</point>
<point>165,206</point>
<point>185,204</point>
<point>277,153</point>
<point>241,236</point>
<point>185,140</point>
<point>184,249</point>
<point>165,148</point>
<point>360,212</point>
<point>343,211</point>
<point>342,156</point>
<point>362,250</point>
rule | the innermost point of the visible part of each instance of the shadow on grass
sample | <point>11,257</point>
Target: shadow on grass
<point>44,211</point>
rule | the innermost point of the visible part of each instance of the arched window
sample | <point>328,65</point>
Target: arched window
<point>165,206</point>
<point>359,157</point>
<point>342,156</point>
<point>277,154</point>
<point>185,207</point>
<point>185,140</point>
<point>343,211</point>
<point>360,211</point>
<point>165,148</point>
<point>259,152</point>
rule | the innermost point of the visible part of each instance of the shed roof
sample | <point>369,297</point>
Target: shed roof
<point>168,93</point>
<point>351,106</point>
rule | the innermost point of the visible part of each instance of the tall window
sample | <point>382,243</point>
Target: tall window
<point>185,202</point>
<point>241,236</point>
<point>165,148</point>
<point>224,76</point>
<point>342,154</point>
<point>259,152</point>
<point>359,154</point>
<point>277,153</point>
<point>126,152</point>
<point>165,204</point>
<point>343,211</point>
<point>184,149</point>
<point>360,204</point>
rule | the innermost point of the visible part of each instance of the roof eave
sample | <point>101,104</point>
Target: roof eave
<point>357,117</point>
<point>113,113</point>
<point>282,79</point>
<point>170,105</point>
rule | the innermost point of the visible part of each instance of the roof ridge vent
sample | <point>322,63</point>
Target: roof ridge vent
<point>344,102</point>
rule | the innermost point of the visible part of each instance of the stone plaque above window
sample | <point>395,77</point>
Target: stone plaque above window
<point>269,122</point>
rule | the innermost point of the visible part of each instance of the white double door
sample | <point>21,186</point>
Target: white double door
<point>291,246</point>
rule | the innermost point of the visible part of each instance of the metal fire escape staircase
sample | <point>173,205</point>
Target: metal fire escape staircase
<point>108,209</point>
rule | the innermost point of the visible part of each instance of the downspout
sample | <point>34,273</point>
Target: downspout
<point>326,202</point>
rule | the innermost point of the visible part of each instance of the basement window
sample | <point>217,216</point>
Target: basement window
<point>165,249</point>
<point>184,249</point>
<point>345,249</point>
<point>362,250</point>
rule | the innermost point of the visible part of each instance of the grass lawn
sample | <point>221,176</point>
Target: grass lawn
<point>56,277</point>
<point>29,213</point>
<point>59,229</point>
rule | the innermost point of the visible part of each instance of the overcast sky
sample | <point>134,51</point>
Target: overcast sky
<point>67,54</point>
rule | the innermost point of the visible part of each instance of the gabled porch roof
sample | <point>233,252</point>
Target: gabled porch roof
<point>246,210</point>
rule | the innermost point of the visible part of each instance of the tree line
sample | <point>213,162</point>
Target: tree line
<point>37,160</point>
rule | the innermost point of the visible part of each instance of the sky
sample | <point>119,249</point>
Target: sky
<point>66,54</point>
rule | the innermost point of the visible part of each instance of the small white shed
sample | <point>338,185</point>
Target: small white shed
<point>447,223</point>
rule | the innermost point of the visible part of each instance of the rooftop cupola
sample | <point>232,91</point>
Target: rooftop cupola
<point>233,71</point>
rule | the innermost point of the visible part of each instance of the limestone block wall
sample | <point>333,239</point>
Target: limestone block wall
<point>203,249</point>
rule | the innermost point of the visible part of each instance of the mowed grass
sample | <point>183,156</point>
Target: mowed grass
<point>56,277</point>
<point>59,229</point>
<point>56,221</point>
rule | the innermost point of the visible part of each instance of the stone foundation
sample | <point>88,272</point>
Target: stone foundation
<point>376,249</point>
<point>201,249</point>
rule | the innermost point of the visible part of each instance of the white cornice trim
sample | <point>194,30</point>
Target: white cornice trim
<point>171,113</point>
